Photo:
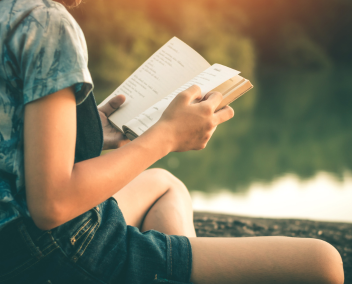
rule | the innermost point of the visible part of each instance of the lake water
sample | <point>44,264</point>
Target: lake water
<point>320,198</point>
<point>286,154</point>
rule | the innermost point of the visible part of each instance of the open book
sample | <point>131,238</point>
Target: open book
<point>169,71</point>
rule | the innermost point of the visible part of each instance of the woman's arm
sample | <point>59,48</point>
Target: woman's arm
<point>59,190</point>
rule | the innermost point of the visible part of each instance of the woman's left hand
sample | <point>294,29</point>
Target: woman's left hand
<point>113,138</point>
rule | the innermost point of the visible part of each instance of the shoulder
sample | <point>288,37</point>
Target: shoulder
<point>44,45</point>
<point>27,16</point>
<point>42,25</point>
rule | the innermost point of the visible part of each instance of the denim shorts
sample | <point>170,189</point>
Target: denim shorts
<point>96,247</point>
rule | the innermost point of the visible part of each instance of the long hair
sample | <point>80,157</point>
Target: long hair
<point>70,3</point>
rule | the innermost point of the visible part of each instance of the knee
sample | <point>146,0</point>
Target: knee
<point>329,266</point>
<point>166,178</point>
<point>172,184</point>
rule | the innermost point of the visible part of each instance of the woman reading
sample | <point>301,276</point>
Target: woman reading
<point>70,215</point>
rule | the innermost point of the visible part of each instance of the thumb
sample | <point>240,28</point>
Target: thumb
<point>112,105</point>
<point>190,94</point>
<point>213,99</point>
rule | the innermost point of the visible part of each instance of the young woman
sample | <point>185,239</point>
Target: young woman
<point>69,215</point>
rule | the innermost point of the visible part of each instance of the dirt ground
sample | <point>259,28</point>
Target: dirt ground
<point>337,234</point>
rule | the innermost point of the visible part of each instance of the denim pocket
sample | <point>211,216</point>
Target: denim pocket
<point>84,235</point>
<point>81,231</point>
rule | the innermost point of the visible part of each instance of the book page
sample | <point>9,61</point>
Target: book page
<point>171,66</point>
<point>207,80</point>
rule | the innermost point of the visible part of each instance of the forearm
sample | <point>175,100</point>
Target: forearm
<point>58,190</point>
<point>93,181</point>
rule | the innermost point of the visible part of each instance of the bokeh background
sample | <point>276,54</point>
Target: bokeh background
<point>291,138</point>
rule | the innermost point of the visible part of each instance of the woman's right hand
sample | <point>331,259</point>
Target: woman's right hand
<point>190,125</point>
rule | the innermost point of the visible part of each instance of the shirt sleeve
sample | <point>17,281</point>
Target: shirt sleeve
<point>51,54</point>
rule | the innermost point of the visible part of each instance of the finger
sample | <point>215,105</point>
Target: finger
<point>112,105</point>
<point>212,99</point>
<point>190,94</point>
<point>223,114</point>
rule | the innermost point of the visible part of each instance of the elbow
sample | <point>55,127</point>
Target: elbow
<point>47,203</point>
<point>46,217</point>
<point>45,224</point>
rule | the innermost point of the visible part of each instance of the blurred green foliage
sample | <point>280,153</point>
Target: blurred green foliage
<point>122,34</point>
<point>297,54</point>
<point>301,124</point>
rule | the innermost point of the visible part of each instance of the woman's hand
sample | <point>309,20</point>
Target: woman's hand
<point>58,189</point>
<point>190,125</point>
<point>113,138</point>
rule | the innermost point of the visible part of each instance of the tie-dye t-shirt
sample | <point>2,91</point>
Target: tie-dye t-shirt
<point>43,50</point>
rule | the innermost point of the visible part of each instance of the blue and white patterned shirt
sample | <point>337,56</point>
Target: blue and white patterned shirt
<point>43,50</point>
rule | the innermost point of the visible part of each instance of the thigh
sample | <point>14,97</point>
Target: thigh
<point>136,198</point>
<point>264,260</point>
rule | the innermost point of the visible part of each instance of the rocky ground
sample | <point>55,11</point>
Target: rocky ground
<point>337,234</point>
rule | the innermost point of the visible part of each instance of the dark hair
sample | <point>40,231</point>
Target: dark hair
<point>70,3</point>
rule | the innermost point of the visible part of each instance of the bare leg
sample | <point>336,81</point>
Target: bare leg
<point>157,200</point>
<point>265,260</point>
